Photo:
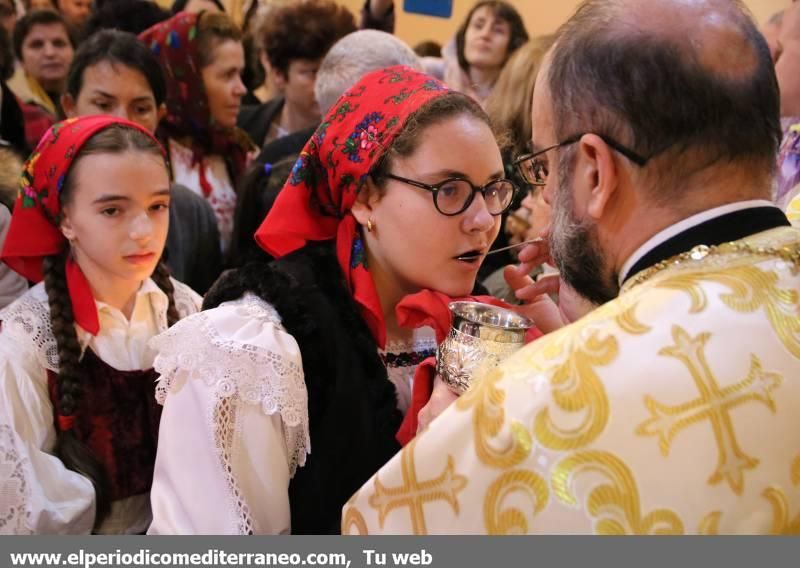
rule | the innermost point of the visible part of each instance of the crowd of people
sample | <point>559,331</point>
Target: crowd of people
<point>229,242</point>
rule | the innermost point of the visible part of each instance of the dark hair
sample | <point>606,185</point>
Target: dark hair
<point>303,30</point>
<point>501,10</point>
<point>254,74</point>
<point>258,190</point>
<point>180,5</point>
<point>71,451</point>
<point>10,7</point>
<point>6,56</point>
<point>116,48</point>
<point>652,93</point>
<point>134,16</point>
<point>37,18</point>
<point>428,48</point>
<point>433,112</point>
<point>214,28</point>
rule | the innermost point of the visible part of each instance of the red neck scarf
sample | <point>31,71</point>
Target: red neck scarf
<point>34,230</point>
<point>174,43</point>
<point>315,203</point>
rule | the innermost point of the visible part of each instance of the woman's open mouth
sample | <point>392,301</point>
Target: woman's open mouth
<point>470,256</point>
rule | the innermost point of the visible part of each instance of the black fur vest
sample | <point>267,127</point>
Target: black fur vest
<point>351,402</point>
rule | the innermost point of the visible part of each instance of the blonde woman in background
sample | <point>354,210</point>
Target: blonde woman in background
<point>509,104</point>
<point>509,108</point>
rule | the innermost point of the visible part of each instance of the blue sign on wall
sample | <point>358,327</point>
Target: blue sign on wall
<point>438,8</point>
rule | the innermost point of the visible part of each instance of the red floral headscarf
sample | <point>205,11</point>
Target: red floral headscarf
<point>188,119</point>
<point>316,202</point>
<point>34,230</point>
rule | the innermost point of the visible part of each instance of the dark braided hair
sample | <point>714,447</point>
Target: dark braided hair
<point>161,277</point>
<point>72,452</point>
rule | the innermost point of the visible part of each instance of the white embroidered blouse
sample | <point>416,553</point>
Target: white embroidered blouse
<point>38,494</point>
<point>223,195</point>
<point>234,427</point>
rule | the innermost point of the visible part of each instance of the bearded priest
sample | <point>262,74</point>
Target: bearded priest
<point>675,406</point>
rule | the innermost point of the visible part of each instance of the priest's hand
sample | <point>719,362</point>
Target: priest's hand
<point>540,308</point>
<point>538,304</point>
<point>441,397</point>
<point>535,295</point>
<point>518,277</point>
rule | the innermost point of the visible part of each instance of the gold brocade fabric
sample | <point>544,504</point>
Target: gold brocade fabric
<point>673,409</point>
<point>793,210</point>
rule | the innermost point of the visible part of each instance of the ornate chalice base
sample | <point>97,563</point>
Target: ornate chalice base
<point>481,336</point>
<point>460,355</point>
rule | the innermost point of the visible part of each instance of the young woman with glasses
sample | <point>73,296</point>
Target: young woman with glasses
<point>287,394</point>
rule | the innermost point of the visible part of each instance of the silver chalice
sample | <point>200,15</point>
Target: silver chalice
<point>481,336</point>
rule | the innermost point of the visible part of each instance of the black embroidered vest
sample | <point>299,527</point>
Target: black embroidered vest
<point>118,419</point>
<point>352,404</point>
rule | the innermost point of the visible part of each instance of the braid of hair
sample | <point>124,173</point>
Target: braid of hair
<point>75,455</point>
<point>161,278</point>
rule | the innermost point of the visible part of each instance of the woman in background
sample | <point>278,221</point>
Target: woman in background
<point>509,106</point>
<point>492,31</point>
<point>202,58</point>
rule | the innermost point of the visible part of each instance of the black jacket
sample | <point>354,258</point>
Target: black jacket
<point>193,252</point>
<point>12,123</point>
<point>276,150</point>
<point>256,119</point>
<point>352,404</point>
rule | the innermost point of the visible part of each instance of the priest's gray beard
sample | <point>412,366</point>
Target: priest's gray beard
<point>575,247</point>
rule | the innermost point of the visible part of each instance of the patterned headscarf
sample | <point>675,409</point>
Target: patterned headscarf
<point>188,119</point>
<point>34,230</point>
<point>316,202</point>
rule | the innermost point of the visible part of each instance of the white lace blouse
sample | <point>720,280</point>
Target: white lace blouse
<point>38,494</point>
<point>234,427</point>
<point>222,197</point>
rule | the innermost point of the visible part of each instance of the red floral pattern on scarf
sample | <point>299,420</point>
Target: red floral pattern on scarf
<point>316,202</point>
<point>188,119</point>
<point>34,230</point>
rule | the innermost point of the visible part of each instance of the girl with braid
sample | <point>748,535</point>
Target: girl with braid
<point>78,415</point>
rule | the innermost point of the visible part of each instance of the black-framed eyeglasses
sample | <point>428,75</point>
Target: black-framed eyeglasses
<point>534,170</point>
<point>454,195</point>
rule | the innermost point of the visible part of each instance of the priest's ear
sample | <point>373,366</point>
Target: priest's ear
<point>596,175</point>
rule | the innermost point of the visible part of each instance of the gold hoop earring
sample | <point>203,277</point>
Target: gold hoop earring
<point>370,225</point>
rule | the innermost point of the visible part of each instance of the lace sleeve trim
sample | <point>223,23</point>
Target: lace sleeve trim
<point>187,301</point>
<point>194,349</point>
<point>27,323</point>
<point>15,515</point>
